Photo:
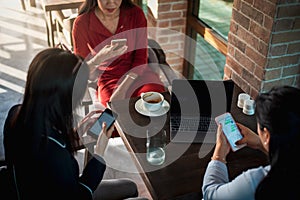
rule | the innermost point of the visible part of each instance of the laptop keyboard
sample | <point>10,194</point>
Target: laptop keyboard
<point>192,124</point>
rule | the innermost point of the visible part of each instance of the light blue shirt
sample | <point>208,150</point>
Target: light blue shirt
<point>216,183</point>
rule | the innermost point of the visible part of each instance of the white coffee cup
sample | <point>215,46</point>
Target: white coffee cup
<point>242,98</point>
<point>248,107</point>
<point>152,101</point>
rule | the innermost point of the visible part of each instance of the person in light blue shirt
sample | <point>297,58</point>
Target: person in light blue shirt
<point>278,128</point>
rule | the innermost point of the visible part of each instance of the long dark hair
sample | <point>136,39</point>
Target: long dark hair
<point>89,5</point>
<point>279,111</point>
<point>56,83</point>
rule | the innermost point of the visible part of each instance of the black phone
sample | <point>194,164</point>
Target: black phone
<point>107,116</point>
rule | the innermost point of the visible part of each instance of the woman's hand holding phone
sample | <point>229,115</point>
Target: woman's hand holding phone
<point>103,138</point>
<point>87,122</point>
<point>107,52</point>
<point>250,138</point>
<point>230,130</point>
<point>102,130</point>
<point>222,146</point>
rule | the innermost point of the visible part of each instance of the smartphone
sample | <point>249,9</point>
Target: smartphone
<point>230,130</point>
<point>107,116</point>
<point>121,42</point>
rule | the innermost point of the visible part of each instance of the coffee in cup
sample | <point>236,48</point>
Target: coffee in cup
<point>152,101</point>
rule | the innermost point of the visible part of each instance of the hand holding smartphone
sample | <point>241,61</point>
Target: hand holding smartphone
<point>230,130</point>
<point>119,42</point>
<point>107,116</point>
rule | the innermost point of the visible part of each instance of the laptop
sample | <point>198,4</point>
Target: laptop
<point>194,105</point>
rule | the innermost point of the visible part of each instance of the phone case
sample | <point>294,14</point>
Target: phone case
<point>106,116</point>
<point>120,42</point>
<point>230,130</point>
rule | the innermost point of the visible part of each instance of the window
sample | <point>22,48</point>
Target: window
<point>208,23</point>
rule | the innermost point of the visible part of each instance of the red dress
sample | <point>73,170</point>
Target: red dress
<point>89,33</point>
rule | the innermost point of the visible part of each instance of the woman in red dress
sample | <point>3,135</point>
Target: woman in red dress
<point>99,22</point>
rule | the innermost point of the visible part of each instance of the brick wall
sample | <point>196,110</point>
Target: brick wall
<point>167,24</point>
<point>264,44</point>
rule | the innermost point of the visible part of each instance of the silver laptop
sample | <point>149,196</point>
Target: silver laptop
<point>194,105</point>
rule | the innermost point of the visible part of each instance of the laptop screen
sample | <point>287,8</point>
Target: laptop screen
<point>201,97</point>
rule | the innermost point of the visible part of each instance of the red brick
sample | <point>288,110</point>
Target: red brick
<point>268,22</point>
<point>265,7</point>
<point>268,85</point>
<point>294,48</point>
<point>249,38</point>
<point>180,6</point>
<point>283,61</point>
<point>286,37</point>
<point>297,24</point>
<point>248,1</point>
<point>164,24</point>
<point>241,83</point>
<point>169,15</point>
<point>252,13</point>
<point>289,71</point>
<point>262,48</point>
<point>283,24</point>
<point>227,72</point>
<point>273,74</point>
<point>244,61</point>
<point>233,27</point>
<point>230,50</point>
<point>288,10</point>
<point>259,72</point>
<point>235,41</point>
<point>163,40</point>
<point>235,66</point>
<point>278,50</point>
<point>164,7</point>
<point>288,80</point>
<point>250,79</point>
<point>240,19</point>
<point>177,22</point>
<point>260,32</point>
<point>275,1</point>
<point>259,59</point>
<point>177,61</point>
<point>253,93</point>
<point>236,4</point>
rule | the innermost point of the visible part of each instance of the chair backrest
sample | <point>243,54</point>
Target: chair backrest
<point>158,63</point>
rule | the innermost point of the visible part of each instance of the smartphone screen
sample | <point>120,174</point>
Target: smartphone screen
<point>106,116</point>
<point>230,130</point>
<point>119,42</point>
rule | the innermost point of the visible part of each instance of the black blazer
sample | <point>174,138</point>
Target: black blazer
<point>49,173</point>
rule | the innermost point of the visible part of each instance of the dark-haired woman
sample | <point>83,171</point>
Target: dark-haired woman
<point>99,22</point>
<point>40,137</point>
<point>278,127</point>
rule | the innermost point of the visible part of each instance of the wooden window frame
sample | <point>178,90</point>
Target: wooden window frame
<point>195,26</point>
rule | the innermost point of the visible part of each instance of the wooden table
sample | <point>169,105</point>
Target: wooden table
<point>182,173</point>
<point>56,5</point>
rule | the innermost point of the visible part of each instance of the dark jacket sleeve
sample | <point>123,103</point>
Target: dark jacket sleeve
<point>96,166</point>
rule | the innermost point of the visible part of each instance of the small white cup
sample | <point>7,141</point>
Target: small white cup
<point>152,101</point>
<point>248,107</point>
<point>242,98</point>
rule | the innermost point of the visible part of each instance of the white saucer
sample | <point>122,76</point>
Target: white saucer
<point>163,110</point>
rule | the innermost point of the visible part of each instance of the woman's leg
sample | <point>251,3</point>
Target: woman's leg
<point>116,189</point>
